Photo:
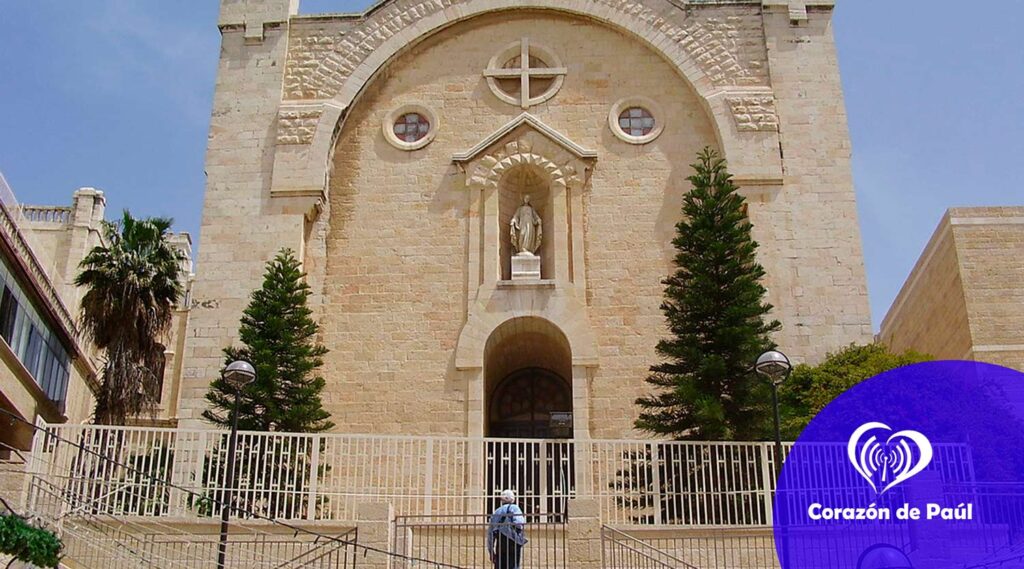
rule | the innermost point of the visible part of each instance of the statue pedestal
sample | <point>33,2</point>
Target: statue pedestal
<point>525,266</point>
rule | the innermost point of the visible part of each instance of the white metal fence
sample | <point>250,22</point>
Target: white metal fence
<point>181,473</point>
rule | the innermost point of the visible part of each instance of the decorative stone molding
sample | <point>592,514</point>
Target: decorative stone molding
<point>255,16</point>
<point>297,126</point>
<point>797,9</point>
<point>718,49</point>
<point>572,321</point>
<point>541,146</point>
<point>563,164</point>
<point>754,112</point>
<point>644,102</point>
<point>389,132</point>
<point>37,276</point>
<point>525,73</point>
<point>725,42</point>
<point>492,167</point>
<point>537,125</point>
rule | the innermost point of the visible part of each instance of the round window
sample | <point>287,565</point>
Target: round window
<point>636,120</point>
<point>410,127</point>
<point>525,74</point>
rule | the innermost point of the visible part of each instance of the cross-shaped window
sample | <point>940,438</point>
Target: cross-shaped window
<point>524,74</point>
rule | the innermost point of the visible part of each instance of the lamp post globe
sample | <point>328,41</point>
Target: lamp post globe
<point>773,364</point>
<point>239,373</point>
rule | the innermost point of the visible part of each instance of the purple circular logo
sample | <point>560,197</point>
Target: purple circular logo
<point>920,467</point>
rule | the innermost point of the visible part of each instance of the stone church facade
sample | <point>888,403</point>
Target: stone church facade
<point>391,149</point>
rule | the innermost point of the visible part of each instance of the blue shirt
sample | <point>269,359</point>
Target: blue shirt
<point>509,521</point>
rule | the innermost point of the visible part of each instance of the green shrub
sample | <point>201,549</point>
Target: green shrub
<point>29,544</point>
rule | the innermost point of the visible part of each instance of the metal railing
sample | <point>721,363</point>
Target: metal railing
<point>460,541</point>
<point>620,550</point>
<point>96,538</point>
<point>181,472</point>
<point>93,545</point>
<point>721,548</point>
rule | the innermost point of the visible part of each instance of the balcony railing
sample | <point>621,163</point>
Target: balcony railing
<point>56,215</point>
<point>154,472</point>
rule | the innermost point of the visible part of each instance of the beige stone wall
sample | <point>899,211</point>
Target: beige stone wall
<point>241,227</point>
<point>990,247</point>
<point>395,285</point>
<point>388,250</point>
<point>965,296</point>
<point>930,314</point>
<point>809,233</point>
<point>395,279</point>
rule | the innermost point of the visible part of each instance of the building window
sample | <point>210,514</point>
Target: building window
<point>33,340</point>
<point>524,64</point>
<point>161,371</point>
<point>636,120</point>
<point>410,127</point>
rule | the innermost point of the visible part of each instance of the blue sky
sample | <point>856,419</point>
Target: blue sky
<point>116,94</point>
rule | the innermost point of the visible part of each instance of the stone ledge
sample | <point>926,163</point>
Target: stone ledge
<point>527,283</point>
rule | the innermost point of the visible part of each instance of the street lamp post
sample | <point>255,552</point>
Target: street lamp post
<point>776,367</point>
<point>237,374</point>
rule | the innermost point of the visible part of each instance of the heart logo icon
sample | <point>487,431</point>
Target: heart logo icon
<point>893,460</point>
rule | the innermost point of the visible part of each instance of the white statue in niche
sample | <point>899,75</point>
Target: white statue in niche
<point>525,229</point>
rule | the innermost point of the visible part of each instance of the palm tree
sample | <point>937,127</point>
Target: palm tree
<point>133,286</point>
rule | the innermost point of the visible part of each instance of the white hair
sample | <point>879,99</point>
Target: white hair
<point>508,496</point>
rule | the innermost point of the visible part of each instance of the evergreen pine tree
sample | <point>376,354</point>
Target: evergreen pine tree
<point>716,316</point>
<point>279,339</point>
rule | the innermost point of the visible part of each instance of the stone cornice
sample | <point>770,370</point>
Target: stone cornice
<point>537,125</point>
<point>682,4</point>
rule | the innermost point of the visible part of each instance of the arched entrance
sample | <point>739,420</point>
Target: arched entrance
<point>532,403</point>
<point>528,371</point>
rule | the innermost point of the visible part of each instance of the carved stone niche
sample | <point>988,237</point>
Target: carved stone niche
<point>521,181</point>
<point>526,157</point>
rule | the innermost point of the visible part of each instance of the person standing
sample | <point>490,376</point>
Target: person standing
<point>506,534</point>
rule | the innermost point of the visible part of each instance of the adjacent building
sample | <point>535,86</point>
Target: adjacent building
<point>964,299</point>
<point>49,370</point>
<point>45,369</point>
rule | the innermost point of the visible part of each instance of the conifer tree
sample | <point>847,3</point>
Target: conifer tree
<point>278,335</point>
<point>714,307</point>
